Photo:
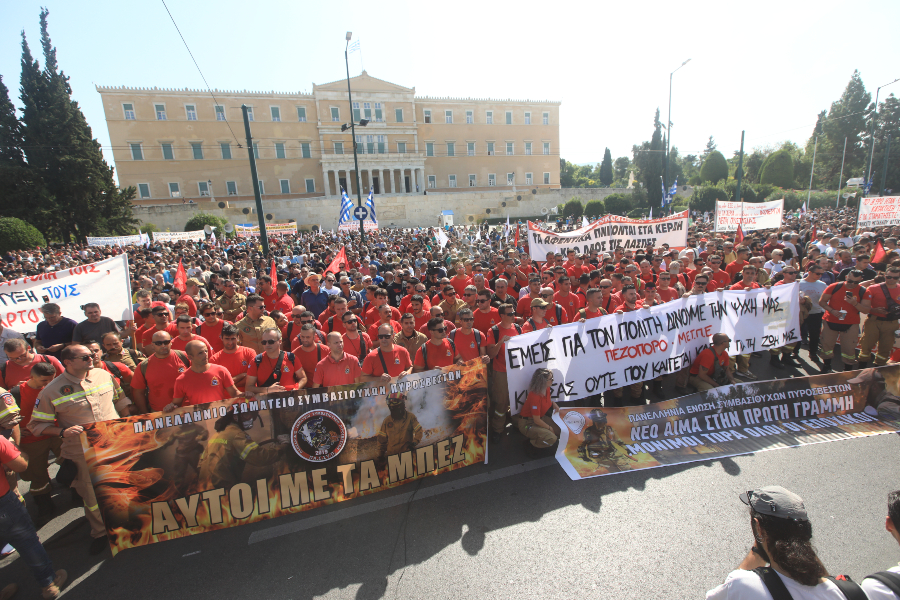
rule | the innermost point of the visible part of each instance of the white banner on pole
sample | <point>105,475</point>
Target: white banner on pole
<point>175,236</point>
<point>271,229</point>
<point>752,216</point>
<point>609,233</point>
<point>878,212</point>
<point>119,240</point>
<point>105,282</point>
<point>621,349</point>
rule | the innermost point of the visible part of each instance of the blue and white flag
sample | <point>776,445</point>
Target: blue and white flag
<point>346,207</point>
<point>673,190</point>
<point>354,47</point>
<point>370,204</point>
<point>868,185</point>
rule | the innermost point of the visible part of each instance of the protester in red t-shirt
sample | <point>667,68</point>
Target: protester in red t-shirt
<point>748,279</point>
<point>338,368</point>
<point>236,359</point>
<point>186,334</point>
<point>211,328</point>
<point>262,377</point>
<point>356,342</point>
<point>496,350</point>
<point>37,447</point>
<point>704,368</point>
<point>594,306</point>
<point>154,389</point>
<point>309,351</point>
<point>630,300</point>
<point>841,302</point>
<point>395,359</point>
<point>565,298</point>
<point>486,316</point>
<point>535,423</point>
<point>203,382</point>
<point>21,358</point>
<point>436,352</point>
<point>470,343</point>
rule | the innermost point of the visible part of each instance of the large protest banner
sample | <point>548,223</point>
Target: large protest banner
<point>175,236</point>
<point>621,349</point>
<point>121,240</point>
<point>729,420</point>
<point>105,282</point>
<point>609,233</point>
<point>163,476</point>
<point>878,212</point>
<point>271,229</point>
<point>751,216</point>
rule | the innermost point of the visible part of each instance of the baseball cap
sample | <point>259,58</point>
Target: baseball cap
<point>775,501</point>
<point>540,303</point>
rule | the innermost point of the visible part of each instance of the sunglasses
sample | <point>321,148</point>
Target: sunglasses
<point>483,301</point>
<point>383,336</point>
<point>441,329</point>
<point>208,315</point>
<point>268,342</point>
<point>162,343</point>
<point>85,358</point>
<point>892,276</point>
<point>467,320</point>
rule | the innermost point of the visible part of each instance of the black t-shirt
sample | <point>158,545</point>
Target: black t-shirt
<point>395,293</point>
<point>868,273</point>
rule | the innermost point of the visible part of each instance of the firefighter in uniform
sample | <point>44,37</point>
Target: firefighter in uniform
<point>400,431</point>
<point>188,450</point>
<point>82,394</point>
<point>222,464</point>
<point>232,305</point>
<point>251,327</point>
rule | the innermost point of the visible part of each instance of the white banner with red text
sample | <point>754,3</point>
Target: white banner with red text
<point>617,350</point>
<point>751,216</point>
<point>105,282</point>
<point>177,236</point>
<point>120,240</point>
<point>609,233</point>
<point>271,229</point>
<point>878,212</point>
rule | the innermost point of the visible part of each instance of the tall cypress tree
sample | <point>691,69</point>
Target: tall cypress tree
<point>606,170</point>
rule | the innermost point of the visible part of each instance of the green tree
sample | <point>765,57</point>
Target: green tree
<point>16,234</point>
<point>202,219</point>
<point>850,117</point>
<point>888,123</point>
<point>649,158</point>
<point>573,208</point>
<point>606,169</point>
<point>621,166</point>
<point>77,194</point>
<point>676,170</point>
<point>594,209</point>
<point>753,163</point>
<point>778,169</point>
<point>148,228</point>
<point>715,168</point>
<point>705,197</point>
<point>618,204</point>
<point>566,174</point>
<point>710,148</point>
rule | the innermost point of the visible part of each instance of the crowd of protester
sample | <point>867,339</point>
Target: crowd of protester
<point>307,315</point>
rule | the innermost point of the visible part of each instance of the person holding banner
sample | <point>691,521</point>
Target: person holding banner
<point>712,367</point>
<point>274,370</point>
<point>203,382</point>
<point>387,360</point>
<point>841,302</point>
<point>497,336</point>
<point>233,357</point>
<point>536,422</point>
<point>880,302</point>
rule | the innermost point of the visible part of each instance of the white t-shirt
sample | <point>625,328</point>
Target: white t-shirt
<point>876,590</point>
<point>747,585</point>
<point>774,267</point>
<point>814,290</point>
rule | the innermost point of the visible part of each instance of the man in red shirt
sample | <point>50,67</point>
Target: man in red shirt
<point>460,280</point>
<point>281,300</point>
<point>735,267</point>
<point>21,358</point>
<point>720,278</point>
<point>438,351</point>
<point>356,342</point>
<point>416,308</point>
<point>880,324</point>
<point>841,302</point>
<point>186,334</point>
<point>387,360</point>
<point>486,316</point>
<point>338,368</point>
<point>523,307</point>
<point>385,315</point>
<point>274,370</point>
<point>203,382</point>
<point>372,315</point>
<point>630,300</point>
<point>594,307</point>
<point>211,328</point>
<point>712,365</point>
<point>309,351</point>
<point>190,296</point>
<point>537,320</point>
<point>470,343</point>
<point>748,279</point>
<point>336,322</point>
<point>265,287</point>
<point>437,311</point>
<point>235,358</point>
<point>154,379</point>
<point>37,447</point>
<point>666,293</point>
<point>161,322</point>
<point>497,337</point>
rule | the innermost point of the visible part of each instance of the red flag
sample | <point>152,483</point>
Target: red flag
<point>180,282</point>
<point>274,273</point>
<point>812,235</point>
<point>738,235</point>
<point>340,257</point>
<point>879,255</point>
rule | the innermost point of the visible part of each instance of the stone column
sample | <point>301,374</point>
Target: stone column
<point>326,172</point>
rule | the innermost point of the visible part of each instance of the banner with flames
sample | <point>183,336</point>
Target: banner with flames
<point>163,476</point>
<point>729,420</point>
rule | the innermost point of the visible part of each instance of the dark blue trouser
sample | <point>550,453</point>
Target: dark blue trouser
<point>17,530</point>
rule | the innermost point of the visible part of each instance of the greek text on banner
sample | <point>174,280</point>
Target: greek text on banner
<point>729,420</point>
<point>616,350</point>
<point>105,282</point>
<point>609,233</point>
<point>750,215</point>
<point>878,212</point>
<point>174,236</point>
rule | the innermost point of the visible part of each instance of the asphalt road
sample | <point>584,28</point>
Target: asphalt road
<point>515,528</point>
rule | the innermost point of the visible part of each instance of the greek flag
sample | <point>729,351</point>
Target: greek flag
<point>672,191</point>
<point>370,204</point>
<point>354,46</point>
<point>662,186</point>
<point>868,185</point>
<point>346,207</point>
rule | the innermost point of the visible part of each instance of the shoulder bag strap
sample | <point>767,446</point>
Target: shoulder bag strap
<point>273,376</point>
<point>890,580</point>
<point>383,362</point>
<point>849,588</point>
<point>773,583</point>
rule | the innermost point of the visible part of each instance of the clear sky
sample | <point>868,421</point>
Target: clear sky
<point>766,67</point>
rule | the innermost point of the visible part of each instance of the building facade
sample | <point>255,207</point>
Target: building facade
<point>179,145</point>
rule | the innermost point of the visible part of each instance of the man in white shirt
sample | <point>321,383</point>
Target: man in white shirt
<point>875,589</point>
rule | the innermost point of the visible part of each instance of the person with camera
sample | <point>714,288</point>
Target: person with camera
<point>841,302</point>
<point>881,303</point>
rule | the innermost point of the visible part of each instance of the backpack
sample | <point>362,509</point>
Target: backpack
<point>889,579</point>
<point>113,369</point>
<point>425,351</point>
<point>892,308</point>
<point>496,328</point>
<point>849,588</point>
<point>43,358</point>
<point>362,348</point>
<point>146,362</point>
<point>276,372</point>
<point>475,332</point>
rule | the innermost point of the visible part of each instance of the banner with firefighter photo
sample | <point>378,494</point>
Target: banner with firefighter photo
<point>728,421</point>
<point>168,475</point>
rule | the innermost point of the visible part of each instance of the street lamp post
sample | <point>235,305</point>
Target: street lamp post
<point>362,230</point>
<point>669,129</point>
<point>872,133</point>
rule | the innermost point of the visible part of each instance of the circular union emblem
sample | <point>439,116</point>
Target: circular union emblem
<point>318,435</point>
<point>214,381</point>
<point>287,369</point>
<point>471,344</point>
<point>243,363</point>
<point>66,390</point>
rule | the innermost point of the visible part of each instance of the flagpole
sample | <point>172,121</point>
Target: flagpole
<point>841,178</point>
<point>359,202</point>
<point>811,171</point>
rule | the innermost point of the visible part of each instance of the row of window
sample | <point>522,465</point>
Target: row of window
<point>284,187</point>
<point>492,180</point>
<point>366,144</point>
<point>371,111</point>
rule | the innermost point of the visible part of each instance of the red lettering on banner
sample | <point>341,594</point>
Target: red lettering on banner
<point>636,351</point>
<point>21,316</point>
<point>693,334</point>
